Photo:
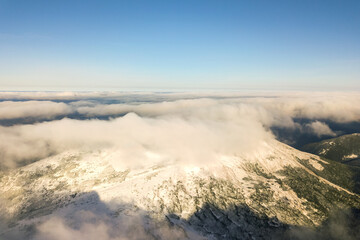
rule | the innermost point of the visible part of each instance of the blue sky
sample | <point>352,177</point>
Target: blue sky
<point>298,45</point>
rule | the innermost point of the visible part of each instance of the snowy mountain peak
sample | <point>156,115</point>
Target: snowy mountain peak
<point>278,182</point>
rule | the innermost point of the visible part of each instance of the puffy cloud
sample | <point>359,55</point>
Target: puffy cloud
<point>274,110</point>
<point>334,107</point>
<point>33,109</point>
<point>94,219</point>
<point>56,229</point>
<point>173,138</point>
<point>320,129</point>
<point>89,226</point>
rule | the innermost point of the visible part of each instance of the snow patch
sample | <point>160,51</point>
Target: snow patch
<point>316,164</point>
<point>350,156</point>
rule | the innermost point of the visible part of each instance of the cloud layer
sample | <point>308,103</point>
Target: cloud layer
<point>33,109</point>
<point>193,129</point>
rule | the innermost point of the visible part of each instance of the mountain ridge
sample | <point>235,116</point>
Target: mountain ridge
<point>341,149</point>
<point>278,182</point>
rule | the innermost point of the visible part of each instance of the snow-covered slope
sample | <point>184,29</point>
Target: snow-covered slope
<point>236,196</point>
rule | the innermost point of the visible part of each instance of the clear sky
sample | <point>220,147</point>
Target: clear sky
<point>169,44</point>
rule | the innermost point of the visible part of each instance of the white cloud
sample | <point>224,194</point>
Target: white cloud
<point>174,138</point>
<point>280,110</point>
<point>320,129</point>
<point>33,109</point>
<point>126,228</point>
<point>185,130</point>
<point>273,108</point>
<point>95,223</point>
